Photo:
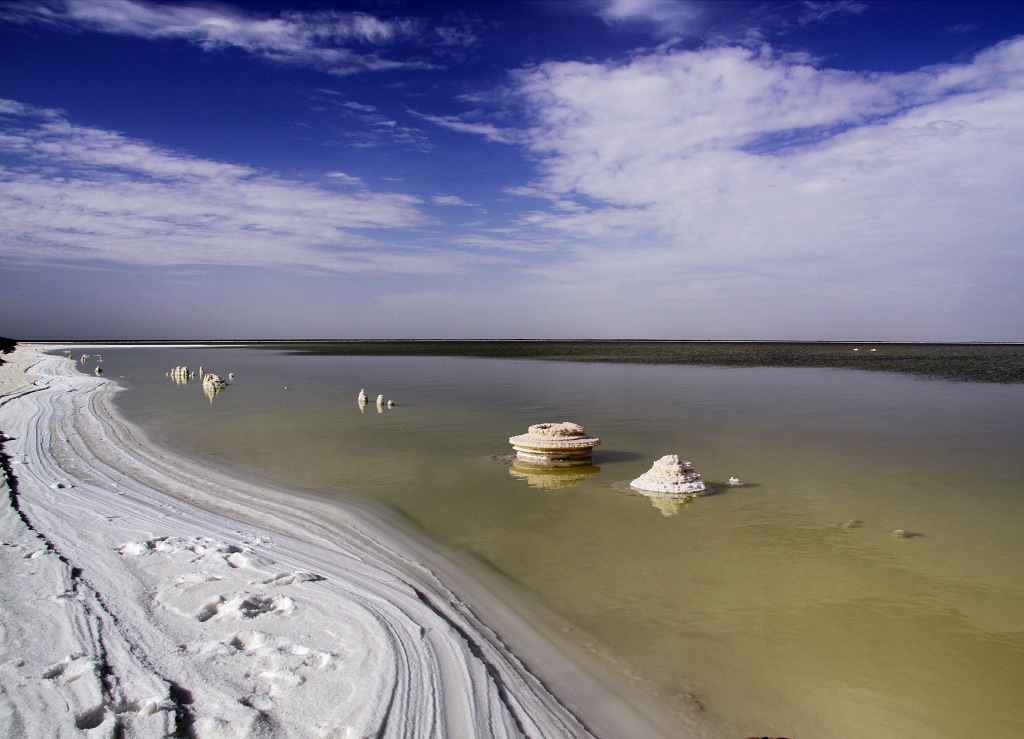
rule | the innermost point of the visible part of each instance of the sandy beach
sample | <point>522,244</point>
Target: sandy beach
<point>145,595</point>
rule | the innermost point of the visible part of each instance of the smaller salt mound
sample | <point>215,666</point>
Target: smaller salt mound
<point>670,477</point>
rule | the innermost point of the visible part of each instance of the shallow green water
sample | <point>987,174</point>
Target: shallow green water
<point>782,621</point>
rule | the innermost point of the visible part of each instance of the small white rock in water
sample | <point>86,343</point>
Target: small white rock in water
<point>734,481</point>
<point>380,400</point>
<point>670,476</point>
<point>391,404</point>
<point>904,534</point>
<point>361,399</point>
<point>231,375</point>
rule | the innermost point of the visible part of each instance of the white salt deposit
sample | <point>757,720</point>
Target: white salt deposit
<point>146,596</point>
<point>669,476</point>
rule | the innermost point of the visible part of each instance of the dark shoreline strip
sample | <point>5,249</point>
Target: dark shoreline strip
<point>963,362</point>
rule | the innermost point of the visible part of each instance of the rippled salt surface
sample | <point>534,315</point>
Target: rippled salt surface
<point>759,600</point>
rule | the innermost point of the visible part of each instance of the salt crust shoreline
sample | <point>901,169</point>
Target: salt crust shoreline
<point>146,596</point>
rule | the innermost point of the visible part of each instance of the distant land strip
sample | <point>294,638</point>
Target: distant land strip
<point>967,362</point>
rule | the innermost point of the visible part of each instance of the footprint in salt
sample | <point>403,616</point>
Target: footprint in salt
<point>285,663</point>
<point>245,606</point>
<point>78,679</point>
<point>291,578</point>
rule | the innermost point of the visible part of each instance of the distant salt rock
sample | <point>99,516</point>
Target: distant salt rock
<point>669,476</point>
<point>214,380</point>
<point>98,371</point>
<point>362,399</point>
<point>734,481</point>
<point>180,374</point>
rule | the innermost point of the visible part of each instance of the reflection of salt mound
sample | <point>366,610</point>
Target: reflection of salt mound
<point>669,477</point>
<point>553,477</point>
<point>554,445</point>
<point>669,505</point>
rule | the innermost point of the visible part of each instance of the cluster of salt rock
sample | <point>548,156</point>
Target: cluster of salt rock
<point>362,401</point>
<point>547,448</point>
<point>181,374</point>
<point>212,383</point>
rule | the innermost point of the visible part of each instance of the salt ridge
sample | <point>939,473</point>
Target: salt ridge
<point>178,601</point>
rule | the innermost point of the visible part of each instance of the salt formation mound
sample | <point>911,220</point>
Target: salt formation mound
<point>554,444</point>
<point>669,477</point>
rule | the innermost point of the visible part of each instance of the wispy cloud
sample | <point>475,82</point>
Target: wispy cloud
<point>814,11</point>
<point>76,195</point>
<point>487,130</point>
<point>377,129</point>
<point>339,42</point>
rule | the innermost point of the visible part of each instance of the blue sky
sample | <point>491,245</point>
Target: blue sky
<point>532,169</point>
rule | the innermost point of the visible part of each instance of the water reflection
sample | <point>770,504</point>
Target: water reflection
<point>553,477</point>
<point>212,390</point>
<point>669,505</point>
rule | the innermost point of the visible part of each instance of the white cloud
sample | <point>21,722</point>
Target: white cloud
<point>770,177</point>
<point>667,16</point>
<point>450,200</point>
<point>344,178</point>
<point>340,42</point>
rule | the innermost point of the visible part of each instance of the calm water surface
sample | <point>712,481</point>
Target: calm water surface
<point>758,600</point>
